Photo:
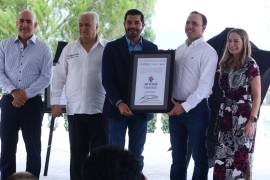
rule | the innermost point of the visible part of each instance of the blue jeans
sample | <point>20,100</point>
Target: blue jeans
<point>137,129</point>
<point>192,127</point>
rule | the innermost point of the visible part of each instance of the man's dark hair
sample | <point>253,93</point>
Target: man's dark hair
<point>204,19</point>
<point>111,163</point>
<point>134,12</point>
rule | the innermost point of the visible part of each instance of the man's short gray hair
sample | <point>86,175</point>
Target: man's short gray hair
<point>91,13</point>
<point>30,11</point>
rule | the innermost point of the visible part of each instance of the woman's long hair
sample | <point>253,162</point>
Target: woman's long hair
<point>227,58</point>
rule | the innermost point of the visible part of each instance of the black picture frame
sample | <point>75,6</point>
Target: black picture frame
<point>163,104</point>
<point>47,102</point>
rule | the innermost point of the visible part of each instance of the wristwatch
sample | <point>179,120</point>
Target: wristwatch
<point>254,118</point>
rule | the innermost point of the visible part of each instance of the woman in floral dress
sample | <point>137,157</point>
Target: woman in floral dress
<point>241,87</point>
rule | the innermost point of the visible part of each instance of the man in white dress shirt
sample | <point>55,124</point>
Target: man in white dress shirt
<point>195,68</point>
<point>79,70</point>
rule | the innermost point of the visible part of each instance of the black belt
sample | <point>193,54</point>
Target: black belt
<point>182,101</point>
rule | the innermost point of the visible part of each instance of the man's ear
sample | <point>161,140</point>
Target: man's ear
<point>35,24</point>
<point>204,27</point>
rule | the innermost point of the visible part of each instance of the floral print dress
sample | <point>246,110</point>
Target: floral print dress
<point>234,149</point>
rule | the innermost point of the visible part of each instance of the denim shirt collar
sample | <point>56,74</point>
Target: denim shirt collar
<point>32,40</point>
<point>134,47</point>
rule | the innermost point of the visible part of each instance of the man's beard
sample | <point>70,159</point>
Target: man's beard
<point>133,32</point>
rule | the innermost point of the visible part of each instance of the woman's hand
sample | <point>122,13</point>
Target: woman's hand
<point>249,130</point>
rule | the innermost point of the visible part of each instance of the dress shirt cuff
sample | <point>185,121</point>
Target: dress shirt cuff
<point>55,101</point>
<point>118,102</point>
<point>10,89</point>
<point>186,106</point>
<point>29,94</point>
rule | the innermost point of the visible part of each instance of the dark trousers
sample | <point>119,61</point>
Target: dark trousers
<point>192,127</point>
<point>28,118</point>
<point>137,129</point>
<point>86,132</point>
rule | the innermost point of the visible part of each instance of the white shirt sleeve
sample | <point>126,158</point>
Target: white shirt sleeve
<point>59,78</point>
<point>207,73</point>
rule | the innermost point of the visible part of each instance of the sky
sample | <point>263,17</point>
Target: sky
<point>252,15</point>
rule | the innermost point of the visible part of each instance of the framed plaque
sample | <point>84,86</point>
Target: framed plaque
<point>47,102</point>
<point>151,81</point>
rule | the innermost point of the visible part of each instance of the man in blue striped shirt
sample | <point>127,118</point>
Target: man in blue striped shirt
<point>25,71</point>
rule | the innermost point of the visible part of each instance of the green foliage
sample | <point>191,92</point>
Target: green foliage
<point>165,123</point>
<point>267,98</point>
<point>151,126</point>
<point>66,122</point>
<point>57,19</point>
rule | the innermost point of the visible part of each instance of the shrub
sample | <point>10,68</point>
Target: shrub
<point>165,123</point>
<point>151,126</point>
